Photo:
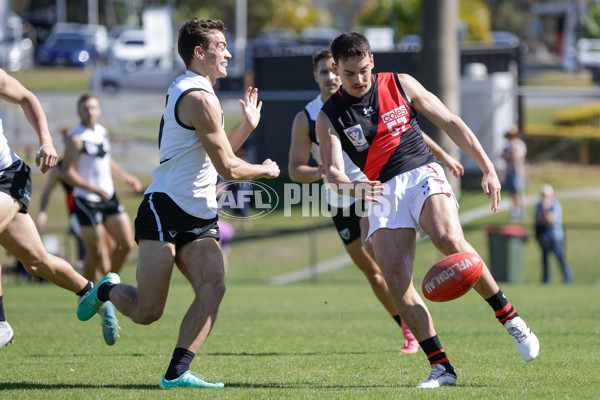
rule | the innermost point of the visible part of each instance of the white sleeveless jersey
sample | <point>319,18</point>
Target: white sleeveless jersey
<point>186,173</point>
<point>93,163</point>
<point>7,156</point>
<point>333,198</point>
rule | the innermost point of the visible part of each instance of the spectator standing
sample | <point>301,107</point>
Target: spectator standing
<point>550,234</point>
<point>514,155</point>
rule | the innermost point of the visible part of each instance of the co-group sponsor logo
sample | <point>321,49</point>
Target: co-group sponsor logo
<point>235,197</point>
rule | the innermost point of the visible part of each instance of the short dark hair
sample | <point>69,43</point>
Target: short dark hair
<point>85,97</point>
<point>321,55</point>
<point>349,44</point>
<point>196,32</point>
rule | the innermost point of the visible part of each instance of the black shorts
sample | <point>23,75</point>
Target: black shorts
<point>15,181</point>
<point>160,218</point>
<point>92,213</point>
<point>347,221</point>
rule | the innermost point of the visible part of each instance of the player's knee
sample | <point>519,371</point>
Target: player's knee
<point>449,243</point>
<point>34,263</point>
<point>218,289</point>
<point>147,316</point>
<point>125,247</point>
<point>376,280</point>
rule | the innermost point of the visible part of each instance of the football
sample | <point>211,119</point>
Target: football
<point>452,276</point>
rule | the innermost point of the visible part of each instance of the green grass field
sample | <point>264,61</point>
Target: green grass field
<point>325,341</point>
<point>326,338</point>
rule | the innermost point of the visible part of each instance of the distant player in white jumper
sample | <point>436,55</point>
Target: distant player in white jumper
<point>177,220</point>
<point>89,168</point>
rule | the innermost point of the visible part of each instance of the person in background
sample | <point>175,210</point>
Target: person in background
<point>550,234</point>
<point>57,177</point>
<point>514,183</point>
<point>89,168</point>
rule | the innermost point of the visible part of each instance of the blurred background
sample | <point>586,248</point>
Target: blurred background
<point>497,63</point>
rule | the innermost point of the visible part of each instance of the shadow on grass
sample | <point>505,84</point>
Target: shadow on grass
<point>58,386</point>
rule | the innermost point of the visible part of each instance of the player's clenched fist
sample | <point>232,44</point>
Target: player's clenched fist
<point>272,170</point>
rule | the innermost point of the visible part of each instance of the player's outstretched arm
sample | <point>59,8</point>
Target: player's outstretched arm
<point>434,110</point>
<point>299,155</point>
<point>202,111</point>
<point>453,165</point>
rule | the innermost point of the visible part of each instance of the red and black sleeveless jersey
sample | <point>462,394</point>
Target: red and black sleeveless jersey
<point>379,131</point>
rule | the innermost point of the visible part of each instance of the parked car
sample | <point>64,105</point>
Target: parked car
<point>130,45</point>
<point>67,48</point>
<point>141,75</point>
<point>97,35</point>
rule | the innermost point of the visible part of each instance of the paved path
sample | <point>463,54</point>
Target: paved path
<point>465,217</point>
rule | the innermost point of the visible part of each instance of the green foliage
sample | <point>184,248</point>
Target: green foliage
<point>590,23</point>
<point>403,15</point>
<point>476,16</point>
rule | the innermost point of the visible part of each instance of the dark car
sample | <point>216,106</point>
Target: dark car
<point>67,48</point>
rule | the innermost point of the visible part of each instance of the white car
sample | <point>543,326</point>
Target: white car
<point>149,75</point>
<point>130,45</point>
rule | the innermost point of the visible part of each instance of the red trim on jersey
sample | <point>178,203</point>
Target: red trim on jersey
<point>389,131</point>
<point>70,201</point>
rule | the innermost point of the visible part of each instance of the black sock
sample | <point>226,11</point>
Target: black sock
<point>104,291</point>
<point>398,320</point>
<point>436,354</point>
<point>502,307</point>
<point>180,362</point>
<point>2,316</point>
<point>86,289</point>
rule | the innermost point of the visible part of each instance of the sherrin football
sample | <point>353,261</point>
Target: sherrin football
<point>452,276</point>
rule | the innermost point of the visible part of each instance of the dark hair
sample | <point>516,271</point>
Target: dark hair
<point>196,32</point>
<point>349,44</point>
<point>323,54</point>
<point>85,97</point>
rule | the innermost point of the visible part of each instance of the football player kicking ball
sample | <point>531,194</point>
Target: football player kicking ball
<point>345,210</point>
<point>408,187</point>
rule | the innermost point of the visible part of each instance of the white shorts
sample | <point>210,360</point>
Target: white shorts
<point>403,198</point>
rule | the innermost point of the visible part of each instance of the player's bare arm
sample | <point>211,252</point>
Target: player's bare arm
<point>332,158</point>
<point>453,165</point>
<point>69,165</point>
<point>434,110</point>
<point>251,108</point>
<point>131,180</point>
<point>14,92</point>
<point>299,155</point>
<point>203,111</point>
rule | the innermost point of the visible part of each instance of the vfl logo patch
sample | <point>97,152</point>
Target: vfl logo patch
<point>172,233</point>
<point>357,137</point>
<point>25,194</point>
<point>345,233</point>
<point>396,120</point>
